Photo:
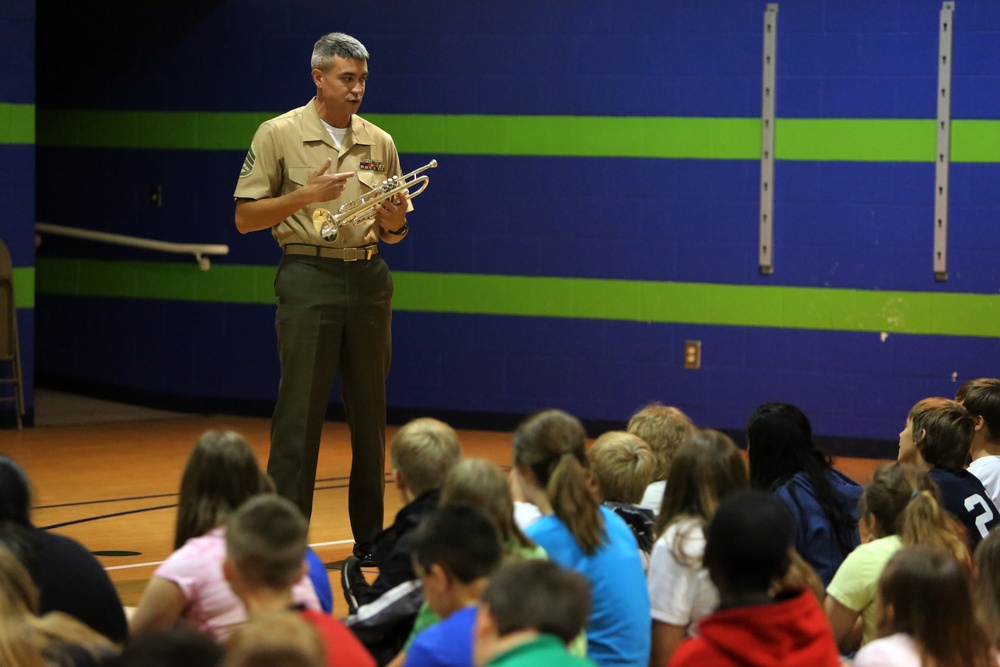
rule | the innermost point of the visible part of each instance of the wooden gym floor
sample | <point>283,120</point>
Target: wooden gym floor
<point>107,475</point>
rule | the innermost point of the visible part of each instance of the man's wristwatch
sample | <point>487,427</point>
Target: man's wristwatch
<point>402,230</point>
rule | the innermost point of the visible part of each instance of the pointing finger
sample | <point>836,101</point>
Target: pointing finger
<point>326,165</point>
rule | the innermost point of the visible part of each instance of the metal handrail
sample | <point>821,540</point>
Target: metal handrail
<point>199,250</point>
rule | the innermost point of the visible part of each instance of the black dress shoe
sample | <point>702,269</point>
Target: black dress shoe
<point>363,552</point>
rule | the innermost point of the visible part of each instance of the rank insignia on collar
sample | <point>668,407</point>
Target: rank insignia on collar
<point>372,165</point>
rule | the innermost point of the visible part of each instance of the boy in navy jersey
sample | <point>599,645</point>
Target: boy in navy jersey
<point>937,437</point>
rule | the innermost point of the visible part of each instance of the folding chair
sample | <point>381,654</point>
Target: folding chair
<point>10,350</point>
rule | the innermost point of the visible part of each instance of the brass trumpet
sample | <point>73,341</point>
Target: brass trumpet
<point>361,210</point>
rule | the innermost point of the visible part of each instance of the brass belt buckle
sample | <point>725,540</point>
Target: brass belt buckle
<point>368,254</point>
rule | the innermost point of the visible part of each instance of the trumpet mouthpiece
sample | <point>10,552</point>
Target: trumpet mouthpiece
<point>433,163</point>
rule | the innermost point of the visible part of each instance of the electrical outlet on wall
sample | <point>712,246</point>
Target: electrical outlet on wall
<point>692,354</point>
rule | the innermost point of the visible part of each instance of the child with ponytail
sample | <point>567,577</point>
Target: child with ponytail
<point>550,463</point>
<point>900,507</point>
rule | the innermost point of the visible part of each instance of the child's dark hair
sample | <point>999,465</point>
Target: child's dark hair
<point>981,397</point>
<point>552,444</point>
<point>780,445</point>
<point>15,492</point>
<point>538,594</point>
<point>748,541</point>
<point>16,531</point>
<point>462,539</point>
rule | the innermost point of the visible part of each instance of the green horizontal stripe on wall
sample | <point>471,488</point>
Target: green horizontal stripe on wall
<point>836,139</point>
<point>180,130</point>
<point>24,287</point>
<point>824,309</point>
<point>17,123</point>
<point>860,140</point>
<point>576,136</point>
<point>171,281</point>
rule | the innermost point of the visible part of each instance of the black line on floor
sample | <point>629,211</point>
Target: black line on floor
<point>107,516</point>
<point>80,503</point>
<point>98,502</point>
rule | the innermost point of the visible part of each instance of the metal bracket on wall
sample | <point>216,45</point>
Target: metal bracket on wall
<point>943,143</point>
<point>766,244</point>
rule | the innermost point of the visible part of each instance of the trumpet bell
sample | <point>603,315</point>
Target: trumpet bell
<point>325,225</point>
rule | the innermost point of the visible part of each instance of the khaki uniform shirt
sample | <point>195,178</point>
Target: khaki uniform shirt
<point>287,150</point>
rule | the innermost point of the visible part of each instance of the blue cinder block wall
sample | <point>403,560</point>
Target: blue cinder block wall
<point>596,204</point>
<point>17,183</point>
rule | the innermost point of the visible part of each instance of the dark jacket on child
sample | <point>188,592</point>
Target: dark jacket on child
<point>382,613</point>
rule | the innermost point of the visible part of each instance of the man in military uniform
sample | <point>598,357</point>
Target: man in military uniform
<point>334,297</point>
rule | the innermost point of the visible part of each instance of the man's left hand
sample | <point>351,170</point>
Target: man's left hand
<point>391,215</point>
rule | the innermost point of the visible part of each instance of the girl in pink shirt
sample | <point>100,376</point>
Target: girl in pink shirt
<point>189,586</point>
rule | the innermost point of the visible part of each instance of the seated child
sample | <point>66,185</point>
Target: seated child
<point>220,474</point>
<point>664,428</point>
<point>707,469</point>
<point>483,484</point>
<point>926,615</point>
<point>937,438</point>
<point>530,611</point>
<point>455,550</point>
<point>746,550</point>
<point>68,577</point>
<point>785,460</point>
<point>623,466</point>
<point>265,556</point>
<point>578,532</point>
<point>981,397</point>
<point>382,613</point>
<point>899,507</point>
<point>54,638</point>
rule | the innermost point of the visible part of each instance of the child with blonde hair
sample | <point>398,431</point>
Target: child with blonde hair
<point>623,466</point>
<point>382,613</point>
<point>663,428</point>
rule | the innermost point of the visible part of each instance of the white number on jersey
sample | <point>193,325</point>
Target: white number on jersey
<point>984,517</point>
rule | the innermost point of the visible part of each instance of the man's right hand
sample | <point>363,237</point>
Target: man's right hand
<point>327,187</point>
<point>253,215</point>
